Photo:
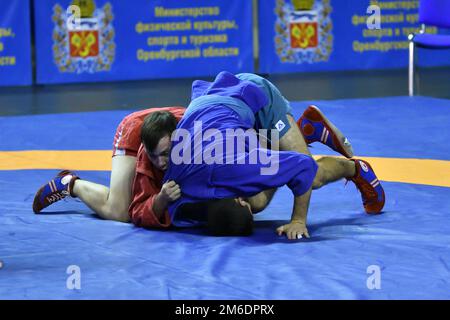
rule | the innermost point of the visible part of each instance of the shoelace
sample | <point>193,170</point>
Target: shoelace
<point>56,197</point>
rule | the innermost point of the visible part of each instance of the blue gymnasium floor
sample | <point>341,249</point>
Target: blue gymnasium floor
<point>410,242</point>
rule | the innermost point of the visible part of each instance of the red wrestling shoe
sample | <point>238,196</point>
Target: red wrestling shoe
<point>372,192</point>
<point>54,190</point>
<point>316,127</point>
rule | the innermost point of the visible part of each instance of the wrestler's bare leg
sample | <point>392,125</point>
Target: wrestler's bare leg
<point>110,203</point>
<point>332,169</point>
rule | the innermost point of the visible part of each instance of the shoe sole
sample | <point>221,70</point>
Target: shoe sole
<point>344,149</point>
<point>380,207</point>
<point>36,203</point>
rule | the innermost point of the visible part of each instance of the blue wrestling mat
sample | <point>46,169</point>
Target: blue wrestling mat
<point>401,254</point>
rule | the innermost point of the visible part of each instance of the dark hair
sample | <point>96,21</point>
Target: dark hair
<point>156,126</point>
<point>228,218</point>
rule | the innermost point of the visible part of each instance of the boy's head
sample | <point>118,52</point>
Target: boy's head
<point>155,135</point>
<point>227,217</point>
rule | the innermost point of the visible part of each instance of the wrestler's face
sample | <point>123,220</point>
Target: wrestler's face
<point>159,157</point>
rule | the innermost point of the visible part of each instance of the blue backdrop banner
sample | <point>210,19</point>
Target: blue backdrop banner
<point>323,35</point>
<point>15,43</point>
<point>105,40</point>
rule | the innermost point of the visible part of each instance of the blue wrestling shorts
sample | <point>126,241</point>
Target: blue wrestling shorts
<point>274,115</point>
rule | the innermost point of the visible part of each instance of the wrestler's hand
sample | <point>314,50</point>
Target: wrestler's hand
<point>170,191</point>
<point>294,230</point>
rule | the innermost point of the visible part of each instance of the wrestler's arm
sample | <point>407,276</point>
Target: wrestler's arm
<point>145,193</point>
<point>297,227</point>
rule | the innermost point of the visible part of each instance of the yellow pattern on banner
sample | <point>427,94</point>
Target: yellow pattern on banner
<point>417,171</point>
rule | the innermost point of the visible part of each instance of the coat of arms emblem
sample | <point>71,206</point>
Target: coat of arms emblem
<point>303,31</point>
<point>87,45</point>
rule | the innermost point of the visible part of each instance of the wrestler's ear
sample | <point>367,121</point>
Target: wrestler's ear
<point>244,203</point>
